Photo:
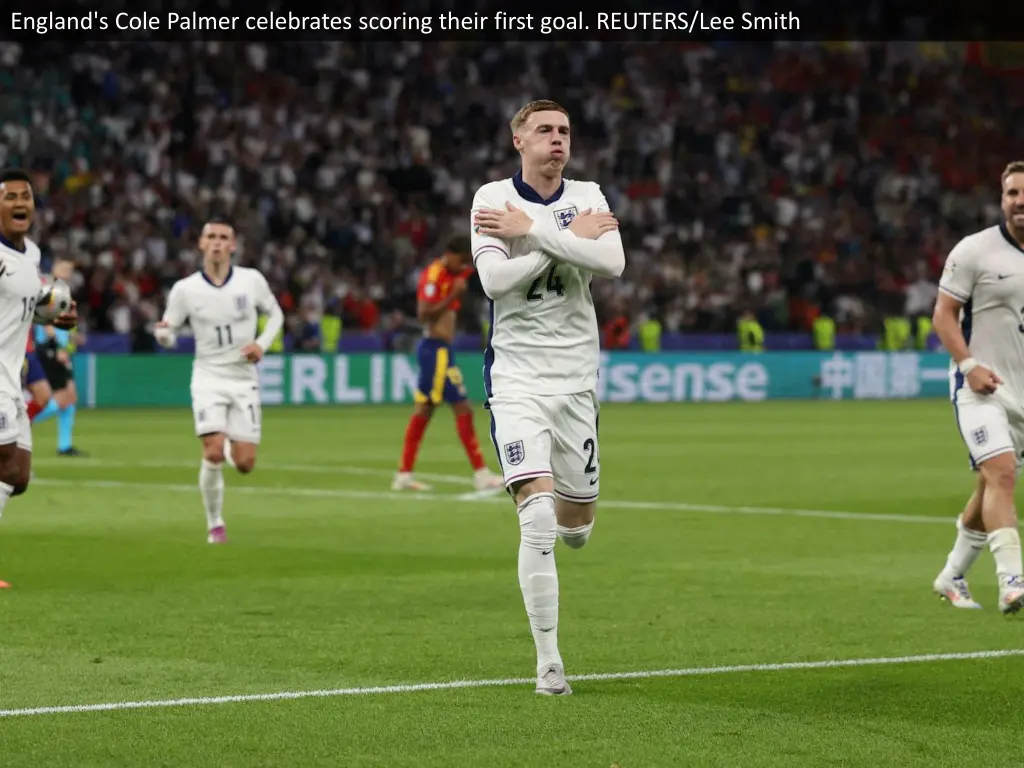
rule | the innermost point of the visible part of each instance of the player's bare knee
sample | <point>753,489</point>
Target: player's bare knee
<point>524,489</point>
<point>423,410</point>
<point>461,408</point>
<point>538,525</point>
<point>213,448</point>
<point>575,522</point>
<point>243,456</point>
<point>12,471</point>
<point>41,392</point>
<point>213,456</point>
<point>18,471</point>
<point>574,513</point>
<point>21,471</point>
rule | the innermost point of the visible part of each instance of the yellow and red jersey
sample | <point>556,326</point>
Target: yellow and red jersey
<point>436,283</point>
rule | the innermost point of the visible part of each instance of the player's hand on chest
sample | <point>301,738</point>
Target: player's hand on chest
<point>565,211</point>
<point>559,214</point>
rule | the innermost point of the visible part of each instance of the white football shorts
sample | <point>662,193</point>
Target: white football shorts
<point>990,425</point>
<point>549,436</point>
<point>14,423</point>
<point>228,407</point>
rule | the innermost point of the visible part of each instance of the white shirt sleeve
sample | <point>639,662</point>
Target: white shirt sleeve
<point>500,274</point>
<point>960,273</point>
<point>485,243</point>
<point>604,256</point>
<point>175,315</point>
<point>176,312</point>
<point>267,304</point>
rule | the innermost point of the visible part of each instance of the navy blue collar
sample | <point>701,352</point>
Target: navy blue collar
<point>531,195</point>
<point>206,277</point>
<point>12,246</point>
<point>1005,232</point>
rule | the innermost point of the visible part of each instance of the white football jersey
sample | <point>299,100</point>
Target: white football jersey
<point>985,271</point>
<point>223,319</point>
<point>19,292</point>
<point>544,340</point>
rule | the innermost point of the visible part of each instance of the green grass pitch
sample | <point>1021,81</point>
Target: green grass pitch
<point>713,549</point>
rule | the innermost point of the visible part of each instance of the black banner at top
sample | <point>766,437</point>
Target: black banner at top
<point>759,21</point>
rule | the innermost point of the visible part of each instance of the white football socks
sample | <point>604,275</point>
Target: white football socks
<point>538,577</point>
<point>1005,546</point>
<point>5,494</point>
<point>211,485</point>
<point>966,550</point>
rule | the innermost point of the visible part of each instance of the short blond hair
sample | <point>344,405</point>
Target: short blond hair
<point>1017,166</point>
<point>540,105</point>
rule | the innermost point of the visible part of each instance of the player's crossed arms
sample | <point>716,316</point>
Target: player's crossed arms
<point>514,222</point>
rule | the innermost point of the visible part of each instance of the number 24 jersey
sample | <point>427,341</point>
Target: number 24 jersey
<point>544,339</point>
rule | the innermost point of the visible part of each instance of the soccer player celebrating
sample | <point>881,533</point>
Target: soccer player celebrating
<point>19,292</point>
<point>978,318</point>
<point>538,239</point>
<point>439,299</point>
<point>222,303</point>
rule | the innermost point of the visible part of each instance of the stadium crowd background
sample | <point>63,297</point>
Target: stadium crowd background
<point>777,183</point>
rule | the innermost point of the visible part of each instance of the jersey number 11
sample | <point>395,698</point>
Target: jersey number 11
<point>223,335</point>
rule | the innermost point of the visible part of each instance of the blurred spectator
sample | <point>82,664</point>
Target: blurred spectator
<point>795,179</point>
<point>308,339</point>
<point>616,330</point>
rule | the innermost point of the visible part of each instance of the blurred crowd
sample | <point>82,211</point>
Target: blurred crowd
<point>784,180</point>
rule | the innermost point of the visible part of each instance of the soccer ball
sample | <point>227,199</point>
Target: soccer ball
<point>54,299</point>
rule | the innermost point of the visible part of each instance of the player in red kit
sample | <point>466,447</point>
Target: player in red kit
<point>438,300</point>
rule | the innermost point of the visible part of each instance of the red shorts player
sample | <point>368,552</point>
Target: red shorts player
<point>438,300</point>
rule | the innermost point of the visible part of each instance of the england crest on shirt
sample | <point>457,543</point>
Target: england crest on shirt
<point>564,216</point>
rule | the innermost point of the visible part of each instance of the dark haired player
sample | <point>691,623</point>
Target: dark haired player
<point>19,292</point>
<point>439,298</point>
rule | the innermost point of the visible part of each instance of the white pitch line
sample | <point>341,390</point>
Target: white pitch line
<point>497,496</point>
<point>504,682</point>
<point>478,495</point>
<point>316,493</point>
<point>316,469</point>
